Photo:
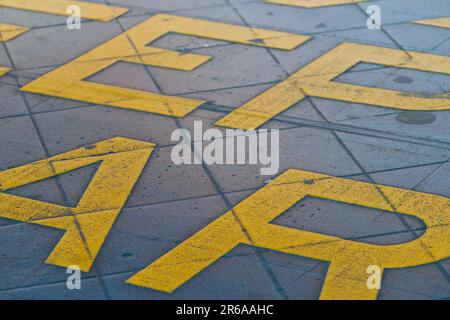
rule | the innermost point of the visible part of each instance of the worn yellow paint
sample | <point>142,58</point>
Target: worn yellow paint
<point>69,81</point>
<point>346,277</point>
<point>87,225</point>
<point>4,70</point>
<point>89,10</point>
<point>316,80</point>
<point>438,22</point>
<point>313,3</point>
<point>10,31</point>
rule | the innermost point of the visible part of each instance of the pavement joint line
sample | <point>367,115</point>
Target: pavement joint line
<point>261,250</point>
<point>31,115</point>
<point>298,123</point>
<point>440,44</point>
<point>263,261</point>
<point>274,82</point>
<point>58,182</point>
<point>131,272</point>
<point>277,285</point>
<point>370,116</point>
<point>180,106</point>
<point>83,21</point>
<point>9,32</point>
<point>72,156</point>
<point>441,268</point>
<point>303,32</point>
<point>225,44</point>
<point>13,73</point>
<point>399,216</point>
<point>273,278</point>
<point>305,273</point>
<point>92,10</point>
<point>385,32</point>
<point>371,180</point>
<point>344,128</point>
<point>247,190</point>
<point>356,161</point>
<point>191,49</point>
<point>305,4</point>
<point>236,217</point>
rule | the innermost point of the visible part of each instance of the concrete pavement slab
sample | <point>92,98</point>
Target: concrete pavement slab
<point>169,204</point>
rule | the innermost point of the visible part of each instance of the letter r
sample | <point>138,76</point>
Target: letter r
<point>346,277</point>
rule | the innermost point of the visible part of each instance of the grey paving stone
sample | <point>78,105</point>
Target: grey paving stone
<point>249,281</point>
<point>406,80</point>
<point>169,203</point>
<point>28,18</point>
<point>232,65</point>
<point>107,121</point>
<point>389,294</point>
<point>12,101</point>
<point>52,46</point>
<point>19,142</point>
<point>418,37</point>
<point>46,190</point>
<point>407,10</point>
<point>169,5</point>
<point>24,256</point>
<point>437,181</point>
<point>381,154</point>
<point>299,19</point>
<point>144,234</point>
<point>232,96</point>
<point>221,13</point>
<point>90,290</point>
<point>424,280</point>
<point>4,59</point>
<point>302,148</point>
<point>409,178</point>
<point>347,221</point>
<point>442,48</point>
<point>125,75</point>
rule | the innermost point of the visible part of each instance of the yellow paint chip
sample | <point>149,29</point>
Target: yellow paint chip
<point>349,260</point>
<point>87,225</point>
<point>4,70</point>
<point>438,22</point>
<point>316,80</point>
<point>69,81</point>
<point>89,10</point>
<point>10,31</point>
<point>313,3</point>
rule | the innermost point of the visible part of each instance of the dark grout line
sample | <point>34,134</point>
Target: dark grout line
<point>47,153</point>
<point>57,179</point>
<point>353,175</point>
<point>301,122</point>
<point>358,5</point>
<point>227,256</point>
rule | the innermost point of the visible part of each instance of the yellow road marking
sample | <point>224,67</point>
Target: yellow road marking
<point>316,80</point>
<point>87,225</point>
<point>4,70</point>
<point>69,82</point>
<point>438,22</point>
<point>89,10</point>
<point>313,3</point>
<point>10,31</point>
<point>349,260</point>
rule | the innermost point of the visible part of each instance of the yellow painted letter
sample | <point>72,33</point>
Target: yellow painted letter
<point>316,80</point>
<point>349,260</point>
<point>87,225</point>
<point>69,81</point>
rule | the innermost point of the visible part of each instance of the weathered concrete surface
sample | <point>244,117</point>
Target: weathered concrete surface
<point>252,47</point>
